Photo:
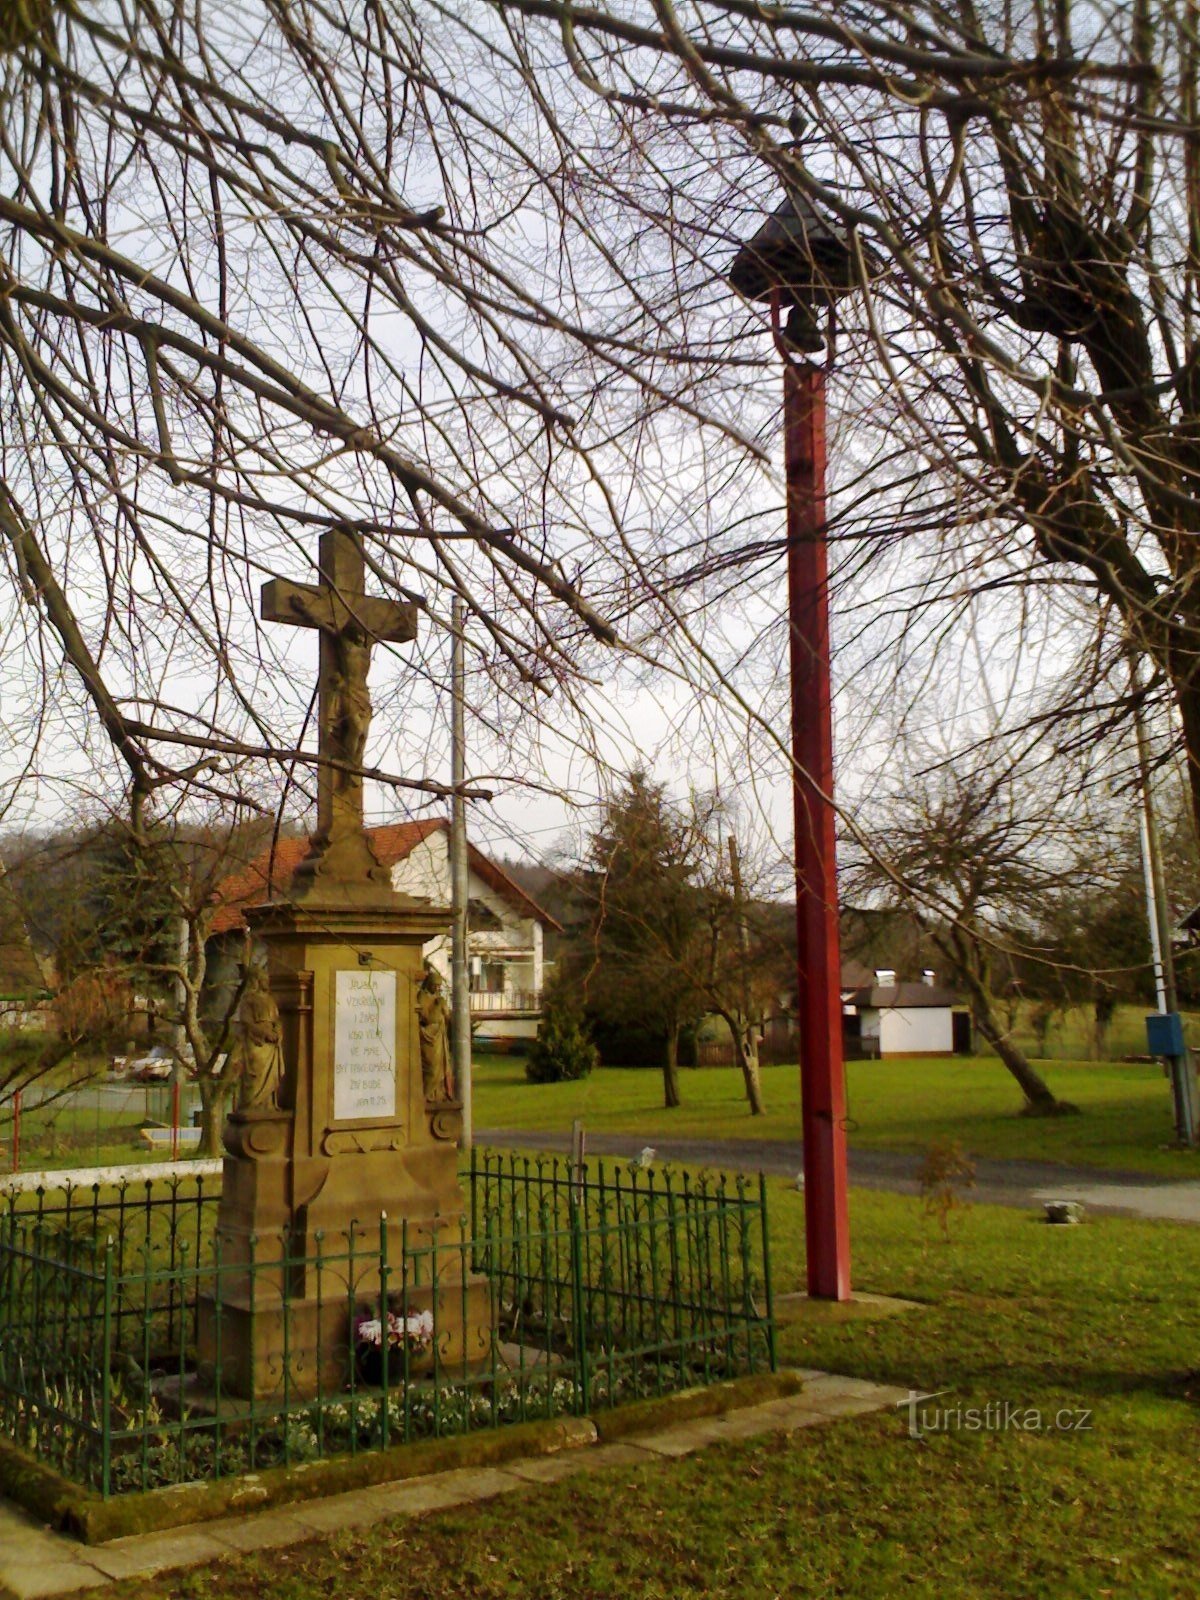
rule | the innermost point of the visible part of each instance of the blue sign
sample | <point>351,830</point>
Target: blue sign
<point>1164,1034</point>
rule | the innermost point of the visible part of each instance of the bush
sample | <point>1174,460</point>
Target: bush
<point>563,1050</point>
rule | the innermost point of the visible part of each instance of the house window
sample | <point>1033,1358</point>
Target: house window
<point>481,918</point>
<point>493,976</point>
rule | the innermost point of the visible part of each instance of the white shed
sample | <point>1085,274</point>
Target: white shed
<point>903,1019</point>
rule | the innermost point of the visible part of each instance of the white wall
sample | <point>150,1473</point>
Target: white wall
<point>915,1030</point>
<point>508,1028</point>
<point>425,872</point>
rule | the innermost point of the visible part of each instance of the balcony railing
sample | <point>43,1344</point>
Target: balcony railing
<point>506,1002</point>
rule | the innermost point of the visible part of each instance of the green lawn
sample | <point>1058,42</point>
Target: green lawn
<point>1102,1318</point>
<point>893,1105</point>
<point>1072,1035</point>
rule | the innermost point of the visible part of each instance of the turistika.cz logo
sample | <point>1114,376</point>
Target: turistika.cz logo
<point>997,1416</point>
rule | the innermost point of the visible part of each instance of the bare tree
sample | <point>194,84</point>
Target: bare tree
<point>271,268</point>
<point>729,966</point>
<point>977,857</point>
<point>136,897</point>
<point>1021,189</point>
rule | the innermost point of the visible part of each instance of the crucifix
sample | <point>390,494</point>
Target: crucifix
<point>350,622</point>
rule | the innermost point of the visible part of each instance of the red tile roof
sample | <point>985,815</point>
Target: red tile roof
<point>267,877</point>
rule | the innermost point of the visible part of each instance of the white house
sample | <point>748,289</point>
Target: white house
<point>506,926</point>
<point>887,1018</point>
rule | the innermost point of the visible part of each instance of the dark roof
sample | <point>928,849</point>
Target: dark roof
<point>796,248</point>
<point>267,877</point>
<point>894,996</point>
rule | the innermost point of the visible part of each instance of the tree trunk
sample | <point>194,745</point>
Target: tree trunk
<point>744,1027</point>
<point>1040,1101</point>
<point>746,1040</point>
<point>1103,1009</point>
<point>212,1115</point>
<point>671,1068</point>
<point>744,1033</point>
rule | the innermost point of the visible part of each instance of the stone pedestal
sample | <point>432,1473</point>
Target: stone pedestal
<point>304,1247</point>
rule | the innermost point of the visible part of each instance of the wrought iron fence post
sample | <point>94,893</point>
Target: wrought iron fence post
<point>768,1292</point>
<point>106,1375</point>
<point>474,1205</point>
<point>577,1297</point>
<point>384,1328</point>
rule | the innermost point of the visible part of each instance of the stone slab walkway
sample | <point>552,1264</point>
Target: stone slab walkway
<point>35,1561</point>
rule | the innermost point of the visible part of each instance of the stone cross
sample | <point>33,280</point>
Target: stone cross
<point>350,622</point>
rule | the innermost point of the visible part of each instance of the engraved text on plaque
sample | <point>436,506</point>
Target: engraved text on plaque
<point>364,1046</point>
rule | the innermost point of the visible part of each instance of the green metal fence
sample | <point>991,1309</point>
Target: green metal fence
<point>120,1307</point>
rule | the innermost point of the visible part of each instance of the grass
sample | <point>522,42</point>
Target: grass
<point>1071,1035</point>
<point>1102,1318</point>
<point>893,1105</point>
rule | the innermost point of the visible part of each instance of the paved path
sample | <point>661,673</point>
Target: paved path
<point>36,1562</point>
<point>1025,1184</point>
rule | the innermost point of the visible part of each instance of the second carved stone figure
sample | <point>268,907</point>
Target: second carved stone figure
<point>433,1020</point>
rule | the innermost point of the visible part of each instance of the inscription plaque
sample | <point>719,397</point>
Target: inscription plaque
<point>364,1046</point>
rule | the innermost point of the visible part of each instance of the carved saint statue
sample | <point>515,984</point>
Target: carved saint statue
<point>433,1019</point>
<point>259,1045</point>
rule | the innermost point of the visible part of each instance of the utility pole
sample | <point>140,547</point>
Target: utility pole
<point>179,1001</point>
<point>460,999</point>
<point>803,261</point>
<point>1165,1031</point>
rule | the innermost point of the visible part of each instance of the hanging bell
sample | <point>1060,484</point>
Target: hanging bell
<point>802,332</point>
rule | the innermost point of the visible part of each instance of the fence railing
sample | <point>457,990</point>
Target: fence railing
<point>502,1002</point>
<point>43,1128</point>
<point>125,1317</point>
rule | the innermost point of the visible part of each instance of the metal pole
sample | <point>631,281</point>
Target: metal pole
<point>1156,955</point>
<point>1179,1067</point>
<point>822,1073</point>
<point>179,992</point>
<point>460,1001</point>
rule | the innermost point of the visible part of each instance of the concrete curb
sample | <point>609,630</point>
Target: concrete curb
<point>35,1561</point>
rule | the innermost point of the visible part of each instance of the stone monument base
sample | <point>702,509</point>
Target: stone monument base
<point>275,1349</point>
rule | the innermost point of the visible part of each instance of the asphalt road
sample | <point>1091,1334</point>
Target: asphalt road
<point>1024,1184</point>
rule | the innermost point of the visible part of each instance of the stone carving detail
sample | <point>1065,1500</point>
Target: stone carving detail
<point>259,1046</point>
<point>266,1137</point>
<point>350,622</point>
<point>433,1020</point>
<point>341,1140</point>
<point>446,1120</point>
<point>349,713</point>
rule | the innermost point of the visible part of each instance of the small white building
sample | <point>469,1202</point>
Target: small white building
<point>887,1018</point>
<point>506,926</point>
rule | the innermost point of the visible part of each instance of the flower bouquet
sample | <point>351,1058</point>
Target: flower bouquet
<point>381,1343</point>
